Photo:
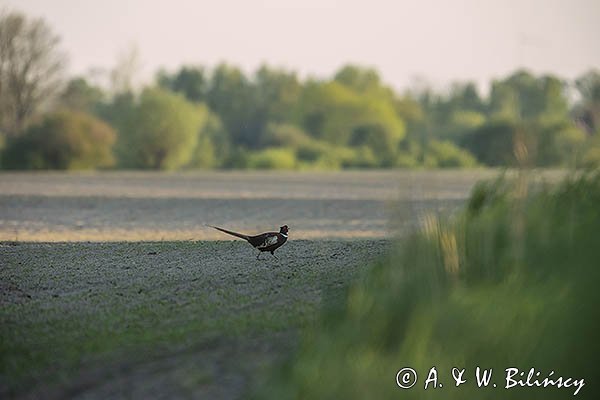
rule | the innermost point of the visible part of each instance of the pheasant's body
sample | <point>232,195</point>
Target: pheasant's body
<point>269,241</point>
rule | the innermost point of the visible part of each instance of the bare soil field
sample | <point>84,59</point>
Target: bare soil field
<point>160,319</point>
<point>133,206</point>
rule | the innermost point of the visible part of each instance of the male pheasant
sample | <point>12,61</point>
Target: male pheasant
<point>268,241</point>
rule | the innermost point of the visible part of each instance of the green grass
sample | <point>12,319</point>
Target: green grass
<point>511,282</point>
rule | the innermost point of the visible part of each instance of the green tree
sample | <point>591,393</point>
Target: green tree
<point>118,110</point>
<point>466,97</point>
<point>230,95</point>
<point>558,143</point>
<point>213,147</point>
<point>503,102</point>
<point>588,110</point>
<point>410,111</point>
<point>62,140</point>
<point>528,122</point>
<point>360,79</point>
<point>272,158</point>
<point>160,133</point>
<point>284,135</point>
<point>375,137</point>
<point>189,80</point>
<point>590,157</point>
<point>493,144</point>
<point>323,103</point>
<point>276,92</point>
<point>80,95</point>
<point>450,116</point>
<point>535,143</point>
<point>445,154</point>
<point>522,96</point>
<point>333,112</point>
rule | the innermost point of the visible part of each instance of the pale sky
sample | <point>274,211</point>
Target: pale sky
<point>441,41</point>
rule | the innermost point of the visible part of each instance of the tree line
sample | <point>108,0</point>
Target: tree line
<point>221,117</point>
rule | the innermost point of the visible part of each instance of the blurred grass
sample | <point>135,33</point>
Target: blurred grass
<point>510,282</point>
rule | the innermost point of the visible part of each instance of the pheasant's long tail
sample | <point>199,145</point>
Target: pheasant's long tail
<point>240,235</point>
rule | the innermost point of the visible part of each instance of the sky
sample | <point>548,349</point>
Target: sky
<point>426,41</point>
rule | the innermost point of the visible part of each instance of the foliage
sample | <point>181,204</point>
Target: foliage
<point>313,151</point>
<point>358,157</point>
<point>523,96</point>
<point>494,143</point>
<point>189,81</point>
<point>229,94</point>
<point>213,147</point>
<point>590,157</point>
<point>558,143</point>
<point>361,80</point>
<point>355,121</point>
<point>225,118</point>
<point>272,158</point>
<point>80,95</point>
<point>276,93</point>
<point>445,154</point>
<point>462,122</point>
<point>538,143</point>
<point>509,283</point>
<point>587,111</point>
<point>62,140</point>
<point>284,135</point>
<point>161,131</point>
<point>335,113</point>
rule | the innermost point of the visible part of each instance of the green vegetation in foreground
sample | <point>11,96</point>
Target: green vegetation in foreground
<point>70,310</point>
<point>512,282</point>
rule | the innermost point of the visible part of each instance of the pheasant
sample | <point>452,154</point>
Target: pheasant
<point>269,241</point>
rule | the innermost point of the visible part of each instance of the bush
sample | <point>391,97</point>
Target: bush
<point>320,155</point>
<point>312,151</point>
<point>360,157</point>
<point>559,144</point>
<point>272,158</point>
<point>591,153</point>
<point>284,135</point>
<point>213,147</point>
<point>374,137</point>
<point>62,140</point>
<point>447,155</point>
<point>461,123</point>
<point>493,143</point>
<point>332,112</point>
<point>406,160</point>
<point>512,282</point>
<point>543,142</point>
<point>160,132</point>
